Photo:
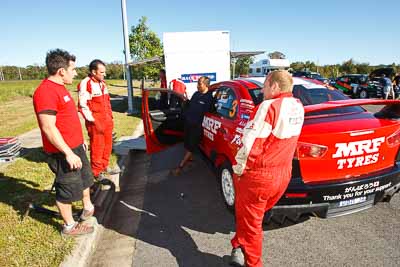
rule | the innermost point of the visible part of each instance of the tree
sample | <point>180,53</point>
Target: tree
<point>242,65</point>
<point>276,55</point>
<point>348,66</point>
<point>143,44</point>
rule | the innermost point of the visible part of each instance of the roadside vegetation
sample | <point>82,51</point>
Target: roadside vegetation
<point>34,239</point>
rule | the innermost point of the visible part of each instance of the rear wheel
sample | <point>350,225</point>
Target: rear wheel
<point>226,183</point>
<point>363,94</point>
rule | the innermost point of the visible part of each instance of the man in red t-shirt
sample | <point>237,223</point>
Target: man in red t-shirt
<point>63,140</point>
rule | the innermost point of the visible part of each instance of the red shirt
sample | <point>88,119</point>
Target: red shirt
<point>178,86</point>
<point>55,97</point>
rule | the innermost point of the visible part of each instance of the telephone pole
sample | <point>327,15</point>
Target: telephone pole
<point>127,56</point>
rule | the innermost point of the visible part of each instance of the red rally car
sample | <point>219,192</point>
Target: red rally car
<point>347,158</point>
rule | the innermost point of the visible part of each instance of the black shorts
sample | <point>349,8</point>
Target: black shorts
<point>69,183</point>
<point>193,134</point>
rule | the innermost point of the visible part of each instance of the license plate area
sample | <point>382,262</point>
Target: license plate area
<point>353,201</point>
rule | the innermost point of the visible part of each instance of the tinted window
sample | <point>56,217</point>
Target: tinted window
<point>225,102</point>
<point>321,95</point>
<point>257,95</point>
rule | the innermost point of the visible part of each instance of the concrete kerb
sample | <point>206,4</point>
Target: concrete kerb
<point>86,245</point>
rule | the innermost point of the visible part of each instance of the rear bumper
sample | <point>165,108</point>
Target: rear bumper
<point>339,198</point>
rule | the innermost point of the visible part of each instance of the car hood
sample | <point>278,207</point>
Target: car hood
<point>389,72</point>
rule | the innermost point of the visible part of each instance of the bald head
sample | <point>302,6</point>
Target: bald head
<point>277,81</point>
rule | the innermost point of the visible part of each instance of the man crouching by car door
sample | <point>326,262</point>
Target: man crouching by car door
<point>264,164</point>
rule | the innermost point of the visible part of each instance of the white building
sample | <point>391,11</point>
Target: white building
<point>263,67</point>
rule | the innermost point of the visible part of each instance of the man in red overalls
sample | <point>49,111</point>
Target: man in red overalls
<point>264,164</point>
<point>95,106</point>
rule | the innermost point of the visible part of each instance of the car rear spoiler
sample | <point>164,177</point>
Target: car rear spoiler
<point>391,109</point>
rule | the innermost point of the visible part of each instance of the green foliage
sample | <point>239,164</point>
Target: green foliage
<point>242,65</point>
<point>144,43</point>
<point>35,72</point>
<point>348,67</point>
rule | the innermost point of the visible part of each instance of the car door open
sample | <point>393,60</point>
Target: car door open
<point>162,114</point>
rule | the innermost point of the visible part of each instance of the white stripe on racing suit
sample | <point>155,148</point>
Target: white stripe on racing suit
<point>269,136</point>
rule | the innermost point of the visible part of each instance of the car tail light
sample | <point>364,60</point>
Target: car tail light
<point>296,195</point>
<point>307,150</point>
<point>394,139</point>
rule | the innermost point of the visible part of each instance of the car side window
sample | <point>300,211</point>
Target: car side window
<point>225,103</point>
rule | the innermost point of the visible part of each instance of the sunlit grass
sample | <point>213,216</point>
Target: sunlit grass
<point>34,240</point>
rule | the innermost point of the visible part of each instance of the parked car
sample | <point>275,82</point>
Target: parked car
<point>347,159</point>
<point>375,86</point>
<point>311,75</point>
<point>355,85</point>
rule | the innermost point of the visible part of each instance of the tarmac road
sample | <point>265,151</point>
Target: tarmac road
<point>182,221</point>
<point>161,220</point>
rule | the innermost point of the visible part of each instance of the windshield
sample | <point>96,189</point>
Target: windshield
<point>320,95</point>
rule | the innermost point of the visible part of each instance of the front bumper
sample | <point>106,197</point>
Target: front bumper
<point>338,198</point>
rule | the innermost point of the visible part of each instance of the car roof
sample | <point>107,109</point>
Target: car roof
<point>307,83</point>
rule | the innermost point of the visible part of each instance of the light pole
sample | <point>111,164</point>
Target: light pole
<point>127,56</point>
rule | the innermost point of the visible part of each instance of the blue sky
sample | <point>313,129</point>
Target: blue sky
<point>326,32</point>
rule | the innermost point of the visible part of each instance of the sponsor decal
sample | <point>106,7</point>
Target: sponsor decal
<point>66,98</point>
<point>245,116</point>
<point>357,154</point>
<point>194,77</point>
<point>237,140</point>
<point>210,127</point>
<point>245,105</point>
<point>358,191</point>
<point>239,130</point>
<point>296,120</point>
<point>242,123</point>
<point>246,101</point>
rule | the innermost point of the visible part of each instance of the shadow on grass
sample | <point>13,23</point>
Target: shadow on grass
<point>19,193</point>
<point>35,154</point>
<point>120,104</point>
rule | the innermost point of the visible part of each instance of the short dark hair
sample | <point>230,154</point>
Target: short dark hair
<point>57,59</point>
<point>205,80</point>
<point>94,65</point>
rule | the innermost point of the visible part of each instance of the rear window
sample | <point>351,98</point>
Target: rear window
<point>320,95</point>
<point>310,97</point>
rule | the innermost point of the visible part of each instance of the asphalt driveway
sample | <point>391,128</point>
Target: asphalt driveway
<point>182,221</point>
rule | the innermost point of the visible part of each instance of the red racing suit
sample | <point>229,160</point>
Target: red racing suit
<point>94,105</point>
<point>263,168</point>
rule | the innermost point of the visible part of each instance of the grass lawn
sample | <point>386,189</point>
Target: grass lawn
<point>16,109</point>
<point>35,240</point>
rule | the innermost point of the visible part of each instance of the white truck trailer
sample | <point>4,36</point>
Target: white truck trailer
<point>190,55</point>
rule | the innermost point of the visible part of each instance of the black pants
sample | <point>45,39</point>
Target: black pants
<point>69,183</point>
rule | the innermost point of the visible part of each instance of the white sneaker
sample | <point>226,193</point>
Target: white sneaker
<point>237,257</point>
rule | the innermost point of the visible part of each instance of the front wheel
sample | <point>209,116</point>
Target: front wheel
<point>226,183</point>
